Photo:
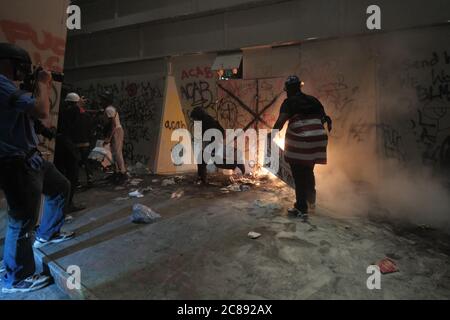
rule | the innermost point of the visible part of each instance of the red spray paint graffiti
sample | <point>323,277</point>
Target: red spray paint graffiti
<point>18,31</point>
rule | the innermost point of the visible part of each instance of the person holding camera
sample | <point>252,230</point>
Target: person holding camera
<point>24,174</point>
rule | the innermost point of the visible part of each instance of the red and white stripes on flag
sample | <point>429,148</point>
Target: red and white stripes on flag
<point>306,141</point>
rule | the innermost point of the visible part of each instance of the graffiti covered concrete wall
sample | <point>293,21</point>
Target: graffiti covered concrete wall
<point>139,100</point>
<point>196,83</point>
<point>340,73</point>
<point>414,82</point>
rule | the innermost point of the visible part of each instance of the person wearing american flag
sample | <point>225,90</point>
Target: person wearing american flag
<point>305,142</point>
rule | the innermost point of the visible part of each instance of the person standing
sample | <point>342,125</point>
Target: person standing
<point>115,137</point>
<point>305,142</point>
<point>67,154</point>
<point>25,175</point>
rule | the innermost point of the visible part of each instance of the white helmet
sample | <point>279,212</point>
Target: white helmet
<point>72,97</point>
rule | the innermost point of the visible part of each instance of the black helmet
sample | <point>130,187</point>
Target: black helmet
<point>292,80</point>
<point>12,52</point>
<point>20,57</point>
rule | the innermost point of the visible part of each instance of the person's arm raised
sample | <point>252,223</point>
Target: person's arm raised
<point>41,109</point>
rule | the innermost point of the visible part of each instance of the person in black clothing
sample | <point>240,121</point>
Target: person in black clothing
<point>67,154</point>
<point>208,122</point>
<point>297,103</point>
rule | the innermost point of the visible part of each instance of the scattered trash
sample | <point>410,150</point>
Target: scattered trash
<point>271,206</point>
<point>138,169</point>
<point>167,182</point>
<point>177,194</point>
<point>387,265</point>
<point>136,194</point>
<point>254,235</point>
<point>178,179</point>
<point>146,189</point>
<point>101,154</point>
<point>135,182</point>
<point>236,188</point>
<point>121,198</point>
<point>143,214</point>
<point>68,218</point>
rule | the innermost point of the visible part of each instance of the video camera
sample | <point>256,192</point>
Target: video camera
<point>30,80</point>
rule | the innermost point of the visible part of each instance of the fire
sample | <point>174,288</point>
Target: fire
<point>280,137</point>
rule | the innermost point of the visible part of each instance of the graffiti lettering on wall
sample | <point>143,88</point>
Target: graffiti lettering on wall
<point>438,87</point>
<point>198,93</point>
<point>196,85</point>
<point>392,143</point>
<point>139,104</point>
<point>173,125</point>
<point>430,110</point>
<point>197,72</point>
<point>341,98</point>
<point>42,41</point>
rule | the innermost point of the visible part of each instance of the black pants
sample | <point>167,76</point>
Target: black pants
<point>84,156</point>
<point>305,186</point>
<point>23,187</point>
<point>67,158</point>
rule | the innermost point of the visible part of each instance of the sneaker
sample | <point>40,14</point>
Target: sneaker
<point>297,213</point>
<point>59,237</point>
<point>32,283</point>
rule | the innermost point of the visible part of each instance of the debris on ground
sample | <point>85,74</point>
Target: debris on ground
<point>235,188</point>
<point>155,180</point>
<point>146,189</point>
<point>168,182</point>
<point>135,194</point>
<point>138,169</point>
<point>119,188</point>
<point>177,194</point>
<point>387,265</point>
<point>68,218</point>
<point>178,179</point>
<point>135,182</point>
<point>254,235</point>
<point>269,206</point>
<point>143,214</point>
<point>121,198</point>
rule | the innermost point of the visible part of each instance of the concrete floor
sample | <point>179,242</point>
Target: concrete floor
<point>199,249</point>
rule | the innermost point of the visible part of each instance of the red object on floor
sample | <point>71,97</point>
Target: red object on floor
<point>387,266</point>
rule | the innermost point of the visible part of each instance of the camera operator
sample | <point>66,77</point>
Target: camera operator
<point>24,174</point>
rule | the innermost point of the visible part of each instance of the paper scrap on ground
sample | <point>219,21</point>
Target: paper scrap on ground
<point>254,235</point>
<point>387,266</point>
<point>136,194</point>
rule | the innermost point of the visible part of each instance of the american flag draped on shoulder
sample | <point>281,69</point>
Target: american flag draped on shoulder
<point>306,140</point>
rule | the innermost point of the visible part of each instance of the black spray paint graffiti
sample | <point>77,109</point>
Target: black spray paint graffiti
<point>339,98</point>
<point>430,121</point>
<point>198,93</point>
<point>392,143</point>
<point>138,104</point>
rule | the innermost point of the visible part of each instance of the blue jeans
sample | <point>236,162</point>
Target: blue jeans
<point>23,187</point>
